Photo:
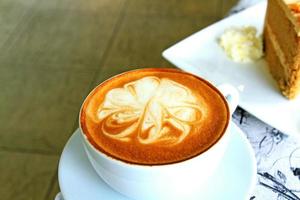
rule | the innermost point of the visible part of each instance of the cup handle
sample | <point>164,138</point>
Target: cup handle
<point>231,94</point>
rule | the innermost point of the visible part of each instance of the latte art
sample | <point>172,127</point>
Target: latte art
<point>154,116</point>
<point>150,110</point>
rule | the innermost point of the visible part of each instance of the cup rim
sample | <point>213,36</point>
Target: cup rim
<point>93,145</point>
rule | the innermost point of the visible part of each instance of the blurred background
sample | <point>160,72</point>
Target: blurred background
<point>53,52</point>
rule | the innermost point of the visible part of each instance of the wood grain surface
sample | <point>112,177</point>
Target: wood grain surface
<point>54,52</point>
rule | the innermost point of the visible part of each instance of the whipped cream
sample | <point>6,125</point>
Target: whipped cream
<point>241,44</point>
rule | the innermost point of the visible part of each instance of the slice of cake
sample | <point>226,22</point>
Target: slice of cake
<point>282,44</point>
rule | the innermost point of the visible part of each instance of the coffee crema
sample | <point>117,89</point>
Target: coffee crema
<point>154,116</point>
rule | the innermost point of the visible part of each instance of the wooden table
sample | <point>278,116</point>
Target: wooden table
<point>53,52</point>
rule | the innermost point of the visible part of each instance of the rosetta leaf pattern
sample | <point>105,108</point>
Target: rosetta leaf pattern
<point>150,110</point>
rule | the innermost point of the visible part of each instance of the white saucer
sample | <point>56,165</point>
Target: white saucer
<point>234,179</point>
<point>200,54</point>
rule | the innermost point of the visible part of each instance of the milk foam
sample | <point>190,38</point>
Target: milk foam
<point>150,110</point>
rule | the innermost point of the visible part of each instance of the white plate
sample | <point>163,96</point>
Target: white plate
<point>201,55</point>
<point>234,179</point>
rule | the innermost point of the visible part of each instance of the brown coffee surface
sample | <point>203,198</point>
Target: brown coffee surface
<point>154,116</point>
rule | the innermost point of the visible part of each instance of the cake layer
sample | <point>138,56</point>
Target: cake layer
<point>274,63</point>
<point>286,6</point>
<point>285,33</point>
<point>288,79</point>
<point>275,48</point>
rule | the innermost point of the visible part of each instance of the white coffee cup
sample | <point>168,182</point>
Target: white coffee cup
<point>179,180</point>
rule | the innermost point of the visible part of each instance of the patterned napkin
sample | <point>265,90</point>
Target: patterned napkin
<point>277,154</point>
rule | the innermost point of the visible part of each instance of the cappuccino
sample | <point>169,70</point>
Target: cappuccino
<point>154,116</point>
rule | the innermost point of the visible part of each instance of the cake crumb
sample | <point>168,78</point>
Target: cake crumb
<point>241,44</point>
<point>295,7</point>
